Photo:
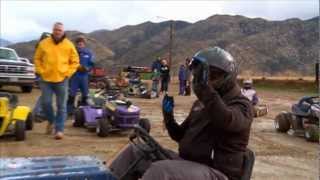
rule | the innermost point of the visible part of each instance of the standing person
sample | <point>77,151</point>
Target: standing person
<point>182,79</point>
<point>165,76</point>
<point>56,59</point>
<point>156,67</point>
<point>80,80</point>
<point>188,78</point>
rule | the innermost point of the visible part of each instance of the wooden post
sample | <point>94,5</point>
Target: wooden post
<point>317,73</point>
<point>170,43</point>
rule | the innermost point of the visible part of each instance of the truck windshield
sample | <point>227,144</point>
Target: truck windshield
<point>8,54</point>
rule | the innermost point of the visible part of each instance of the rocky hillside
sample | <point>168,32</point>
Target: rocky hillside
<point>103,55</point>
<point>261,47</point>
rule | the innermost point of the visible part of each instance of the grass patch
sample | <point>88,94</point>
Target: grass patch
<point>297,86</point>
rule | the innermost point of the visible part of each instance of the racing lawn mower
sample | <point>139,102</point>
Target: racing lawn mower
<point>14,119</point>
<point>136,87</point>
<point>105,114</point>
<point>86,167</point>
<point>302,121</point>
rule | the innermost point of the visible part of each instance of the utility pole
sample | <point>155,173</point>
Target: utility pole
<point>170,43</point>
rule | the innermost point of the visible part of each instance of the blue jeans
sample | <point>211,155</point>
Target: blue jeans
<point>60,90</point>
<point>77,82</point>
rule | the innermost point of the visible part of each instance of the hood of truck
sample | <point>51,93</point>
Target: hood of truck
<point>14,62</point>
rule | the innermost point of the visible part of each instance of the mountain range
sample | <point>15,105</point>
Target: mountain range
<point>260,47</point>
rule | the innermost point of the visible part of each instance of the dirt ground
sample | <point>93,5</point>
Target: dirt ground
<point>278,156</point>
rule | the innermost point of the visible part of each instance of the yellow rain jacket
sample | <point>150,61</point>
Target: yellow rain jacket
<point>56,62</point>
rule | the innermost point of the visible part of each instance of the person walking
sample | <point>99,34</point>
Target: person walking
<point>80,80</point>
<point>56,59</point>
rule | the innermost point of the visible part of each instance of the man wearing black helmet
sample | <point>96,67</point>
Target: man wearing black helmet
<point>214,137</point>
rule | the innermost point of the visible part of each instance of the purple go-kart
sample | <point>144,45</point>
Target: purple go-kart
<point>105,116</point>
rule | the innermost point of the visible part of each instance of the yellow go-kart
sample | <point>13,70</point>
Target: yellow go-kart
<point>14,119</point>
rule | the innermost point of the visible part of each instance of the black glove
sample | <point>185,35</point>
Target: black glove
<point>167,108</point>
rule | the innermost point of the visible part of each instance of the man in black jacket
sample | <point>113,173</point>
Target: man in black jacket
<point>214,137</point>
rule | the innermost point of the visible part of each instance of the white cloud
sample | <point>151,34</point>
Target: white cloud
<point>26,20</point>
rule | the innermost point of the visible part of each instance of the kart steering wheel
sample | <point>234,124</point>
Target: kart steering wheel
<point>148,145</point>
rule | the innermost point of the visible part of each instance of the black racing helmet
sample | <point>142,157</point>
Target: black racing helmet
<point>218,58</point>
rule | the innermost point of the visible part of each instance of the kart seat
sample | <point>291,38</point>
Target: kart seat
<point>249,159</point>
<point>301,109</point>
<point>13,99</point>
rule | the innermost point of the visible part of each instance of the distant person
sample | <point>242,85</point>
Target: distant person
<point>182,79</point>
<point>165,76</point>
<point>248,91</point>
<point>80,80</point>
<point>156,68</point>
<point>56,59</point>
<point>38,109</point>
<point>188,78</point>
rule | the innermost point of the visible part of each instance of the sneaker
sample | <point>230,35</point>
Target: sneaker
<point>49,129</point>
<point>58,135</point>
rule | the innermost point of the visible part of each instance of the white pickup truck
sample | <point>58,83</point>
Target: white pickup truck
<point>15,70</point>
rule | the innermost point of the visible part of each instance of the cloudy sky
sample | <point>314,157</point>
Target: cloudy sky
<point>26,20</point>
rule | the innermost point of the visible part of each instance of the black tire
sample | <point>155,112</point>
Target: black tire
<point>29,122</point>
<point>20,130</point>
<point>282,122</point>
<point>145,124</point>
<point>103,127</point>
<point>79,118</point>
<point>26,89</point>
<point>312,133</point>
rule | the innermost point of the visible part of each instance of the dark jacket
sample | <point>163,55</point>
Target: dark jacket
<point>182,73</point>
<point>165,72</point>
<point>216,132</point>
<point>156,65</point>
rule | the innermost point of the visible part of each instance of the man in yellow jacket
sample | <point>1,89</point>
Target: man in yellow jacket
<point>56,59</point>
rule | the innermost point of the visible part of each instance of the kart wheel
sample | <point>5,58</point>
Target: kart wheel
<point>79,118</point>
<point>312,133</point>
<point>145,124</point>
<point>282,122</point>
<point>20,130</point>
<point>29,122</point>
<point>103,127</point>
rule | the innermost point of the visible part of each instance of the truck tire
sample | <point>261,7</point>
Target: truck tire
<point>145,124</point>
<point>26,89</point>
<point>282,122</point>
<point>103,127</point>
<point>29,122</point>
<point>20,130</point>
<point>312,133</point>
<point>79,118</point>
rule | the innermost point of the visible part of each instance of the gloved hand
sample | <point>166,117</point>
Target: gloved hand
<point>82,69</point>
<point>167,108</point>
<point>201,90</point>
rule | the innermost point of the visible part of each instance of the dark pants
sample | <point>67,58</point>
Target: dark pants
<point>175,169</point>
<point>182,87</point>
<point>164,84</point>
<point>78,82</point>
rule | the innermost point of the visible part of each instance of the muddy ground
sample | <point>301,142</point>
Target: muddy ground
<point>278,156</point>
